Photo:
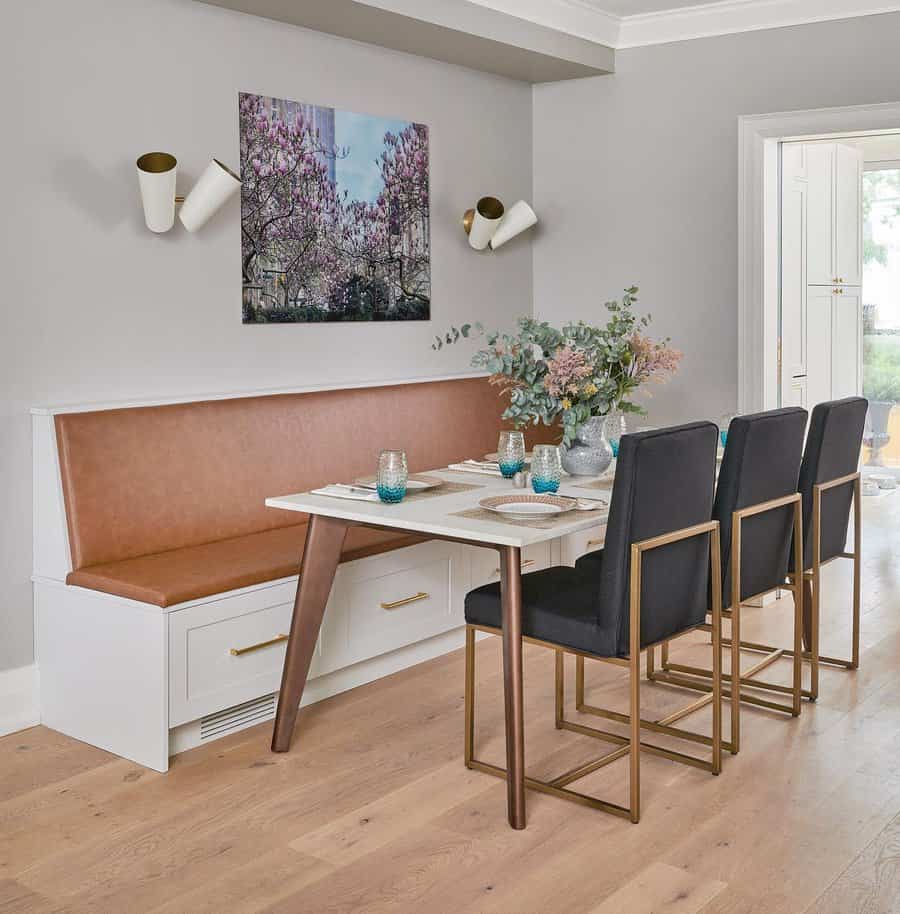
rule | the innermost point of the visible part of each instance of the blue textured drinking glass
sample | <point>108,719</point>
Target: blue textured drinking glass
<point>724,423</point>
<point>392,475</point>
<point>511,453</point>
<point>546,468</point>
<point>615,428</point>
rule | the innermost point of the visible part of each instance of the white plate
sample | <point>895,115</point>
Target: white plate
<point>528,505</point>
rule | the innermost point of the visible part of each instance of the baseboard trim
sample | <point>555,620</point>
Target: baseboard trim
<point>19,699</point>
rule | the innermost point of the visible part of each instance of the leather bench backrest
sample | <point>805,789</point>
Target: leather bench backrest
<point>144,480</point>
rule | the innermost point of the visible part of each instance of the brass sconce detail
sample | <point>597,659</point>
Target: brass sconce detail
<point>490,224</point>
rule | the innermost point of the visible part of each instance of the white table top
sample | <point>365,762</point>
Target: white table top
<point>435,515</point>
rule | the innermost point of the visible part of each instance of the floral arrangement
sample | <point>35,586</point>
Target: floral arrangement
<point>569,374</point>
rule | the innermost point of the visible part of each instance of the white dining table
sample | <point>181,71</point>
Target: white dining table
<point>435,516</point>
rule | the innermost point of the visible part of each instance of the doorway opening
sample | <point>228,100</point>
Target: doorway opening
<point>838,318</point>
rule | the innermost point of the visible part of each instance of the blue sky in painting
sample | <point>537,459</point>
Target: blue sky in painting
<point>364,135</point>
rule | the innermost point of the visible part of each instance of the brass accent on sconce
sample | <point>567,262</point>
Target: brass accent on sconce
<point>468,218</point>
<point>156,162</point>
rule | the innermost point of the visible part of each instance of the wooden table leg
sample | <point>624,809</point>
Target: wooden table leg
<point>324,541</point>
<point>511,599</point>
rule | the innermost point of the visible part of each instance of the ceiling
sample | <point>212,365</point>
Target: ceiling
<point>632,23</point>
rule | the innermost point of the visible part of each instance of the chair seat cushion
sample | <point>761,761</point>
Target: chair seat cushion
<point>590,562</point>
<point>178,575</point>
<point>559,605</point>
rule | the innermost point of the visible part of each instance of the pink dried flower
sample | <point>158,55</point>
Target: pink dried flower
<point>564,370</point>
<point>652,361</point>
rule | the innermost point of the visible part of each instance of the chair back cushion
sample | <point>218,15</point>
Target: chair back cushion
<point>833,447</point>
<point>761,463</point>
<point>145,480</point>
<point>664,482</point>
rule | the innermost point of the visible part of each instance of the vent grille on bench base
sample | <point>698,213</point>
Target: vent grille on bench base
<point>237,718</point>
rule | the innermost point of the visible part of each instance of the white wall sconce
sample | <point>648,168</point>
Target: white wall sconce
<point>489,224</point>
<point>156,177</point>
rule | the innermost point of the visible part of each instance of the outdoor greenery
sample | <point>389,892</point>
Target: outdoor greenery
<point>572,373</point>
<point>881,368</point>
<point>878,186</point>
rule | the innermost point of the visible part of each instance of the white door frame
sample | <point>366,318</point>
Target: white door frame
<point>758,213</point>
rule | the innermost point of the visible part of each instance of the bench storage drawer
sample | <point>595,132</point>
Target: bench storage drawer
<point>229,651</point>
<point>400,598</point>
<point>486,562</point>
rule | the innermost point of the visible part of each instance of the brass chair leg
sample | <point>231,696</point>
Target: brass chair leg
<point>579,683</point>
<point>634,657</point>
<point>470,697</point>
<point>857,563</point>
<point>736,528</point>
<point>560,674</point>
<point>799,609</point>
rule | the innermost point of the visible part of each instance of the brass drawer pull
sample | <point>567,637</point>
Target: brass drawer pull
<point>525,564</point>
<point>421,595</point>
<point>591,543</point>
<point>240,651</point>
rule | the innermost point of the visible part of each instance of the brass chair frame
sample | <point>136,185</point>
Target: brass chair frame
<point>812,580</point>
<point>631,745</point>
<point>693,677</point>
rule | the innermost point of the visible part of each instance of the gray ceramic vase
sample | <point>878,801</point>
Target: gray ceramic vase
<point>590,454</point>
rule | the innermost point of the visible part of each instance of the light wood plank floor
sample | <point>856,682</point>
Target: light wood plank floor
<point>373,810</point>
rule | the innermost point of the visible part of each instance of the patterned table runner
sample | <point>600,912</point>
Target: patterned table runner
<point>445,488</point>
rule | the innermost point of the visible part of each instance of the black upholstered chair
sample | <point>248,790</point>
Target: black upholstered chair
<point>759,511</point>
<point>830,487</point>
<point>651,584</point>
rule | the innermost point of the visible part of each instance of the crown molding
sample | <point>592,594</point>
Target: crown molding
<point>576,17</point>
<point>588,20</point>
<point>732,16</point>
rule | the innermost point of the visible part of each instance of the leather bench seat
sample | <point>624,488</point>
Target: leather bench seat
<point>192,572</point>
<point>167,503</point>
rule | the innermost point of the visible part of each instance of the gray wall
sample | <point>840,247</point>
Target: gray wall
<point>97,308</point>
<point>635,179</point>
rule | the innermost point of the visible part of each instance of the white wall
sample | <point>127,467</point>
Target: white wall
<point>97,308</point>
<point>635,178</point>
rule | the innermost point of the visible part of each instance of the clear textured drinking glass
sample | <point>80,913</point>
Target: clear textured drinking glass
<point>615,428</point>
<point>546,468</point>
<point>511,453</point>
<point>392,475</point>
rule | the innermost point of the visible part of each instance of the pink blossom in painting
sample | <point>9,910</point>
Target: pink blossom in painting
<point>335,221</point>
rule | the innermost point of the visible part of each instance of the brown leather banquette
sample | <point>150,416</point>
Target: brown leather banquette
<point>166,503</point>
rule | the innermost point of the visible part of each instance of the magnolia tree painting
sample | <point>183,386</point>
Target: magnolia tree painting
<point>334,215</point>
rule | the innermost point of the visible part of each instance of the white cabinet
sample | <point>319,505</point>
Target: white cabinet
<point>847,221</point>
<point>818,341</point>
<point>820,353</point>
<point>846,342</point>
<point>834,214</point>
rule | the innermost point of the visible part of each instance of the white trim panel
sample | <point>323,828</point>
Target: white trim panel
<point>19,699</point>
<point>239,394</point>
